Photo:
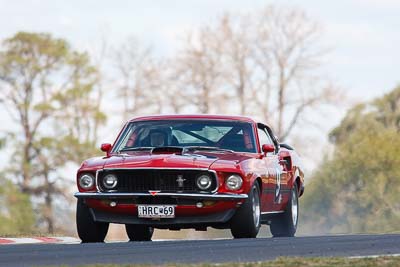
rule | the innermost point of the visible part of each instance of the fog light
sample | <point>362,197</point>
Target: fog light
<point>86,181</point>
<point>234,182</point>
<point>203,182</point>
<point>199,204</point>
<point>110,181</point>
<point>113,204</point>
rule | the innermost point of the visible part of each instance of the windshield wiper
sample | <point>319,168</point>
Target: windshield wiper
<point>209,148</point>
<point>142,148</point>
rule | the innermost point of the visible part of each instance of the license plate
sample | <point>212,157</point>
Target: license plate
<point>156,211</point>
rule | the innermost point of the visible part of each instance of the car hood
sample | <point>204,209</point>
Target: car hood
<point>159,160</point>
<point>204,160</point>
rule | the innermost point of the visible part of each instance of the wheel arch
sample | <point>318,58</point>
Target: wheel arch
<point>259,182</point>
<point>300,186</point>
<point>299,182</point>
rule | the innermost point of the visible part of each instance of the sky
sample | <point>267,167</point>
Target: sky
<point>362,36</point>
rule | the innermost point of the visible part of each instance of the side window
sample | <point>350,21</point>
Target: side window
<point>273,138</point>
<point>264,138</point>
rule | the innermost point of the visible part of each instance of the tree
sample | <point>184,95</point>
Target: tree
<point>265,64</point>
<point>236,50</point>
<point>198,72</point>
<point>16,214</point>
<point>49,90</point>
<point>356,189</point>
<point>139,75</point>
<point>25,64</point>
<point>288,54</point>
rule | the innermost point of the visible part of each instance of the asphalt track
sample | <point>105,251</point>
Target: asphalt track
<point>195,251</point>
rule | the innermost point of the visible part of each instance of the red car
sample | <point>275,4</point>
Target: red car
<point>193,171</point>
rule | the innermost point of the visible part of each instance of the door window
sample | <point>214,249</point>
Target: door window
<point>264,138</point>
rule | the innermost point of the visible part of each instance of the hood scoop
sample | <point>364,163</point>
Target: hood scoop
<point>167,150</point>
<point>176,150</point>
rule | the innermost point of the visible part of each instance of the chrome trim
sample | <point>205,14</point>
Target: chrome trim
<point>273,212</point>
<point>97,180</point>
<point>158,168</point>
<point>174,195</point>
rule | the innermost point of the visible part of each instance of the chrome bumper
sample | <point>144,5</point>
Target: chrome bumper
<point>173,195</point>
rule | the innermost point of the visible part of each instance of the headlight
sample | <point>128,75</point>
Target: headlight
<point>86,181</point>
<point>234,182</point>
<point>203,182</point>
<point>110,181</point>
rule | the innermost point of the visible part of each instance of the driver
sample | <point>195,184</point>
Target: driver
<point>157,139</point>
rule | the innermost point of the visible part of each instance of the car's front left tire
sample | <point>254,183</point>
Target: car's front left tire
<point>139,232</point>
<point>247,220</point>
<point>89,231</point>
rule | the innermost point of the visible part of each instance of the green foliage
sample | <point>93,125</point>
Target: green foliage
<point>29,55</point>
<point>16,213</point>
<point>356,190</point>
<point>52,92</point>
<point>2,142</point>
<point>384,111</point>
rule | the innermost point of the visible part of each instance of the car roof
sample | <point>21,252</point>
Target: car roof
<point>195,116</point>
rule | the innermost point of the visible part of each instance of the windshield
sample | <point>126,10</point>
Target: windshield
<point>231,135</point>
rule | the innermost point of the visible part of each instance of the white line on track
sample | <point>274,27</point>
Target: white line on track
<point>375,256</point>
<point>38,240</point>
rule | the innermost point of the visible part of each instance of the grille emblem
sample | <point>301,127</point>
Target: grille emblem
<point>153,193</point>
<point>180,180</point>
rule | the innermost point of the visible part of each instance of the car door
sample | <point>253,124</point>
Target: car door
<point>271,172</point>
<point>281,182</point>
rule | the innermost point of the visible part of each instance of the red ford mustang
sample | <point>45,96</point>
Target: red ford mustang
<point>194,171</point>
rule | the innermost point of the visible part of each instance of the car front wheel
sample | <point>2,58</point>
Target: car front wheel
<point>89,231</point>
<point>246,221</point>
<point>139,232</point>
<point>285,224</point>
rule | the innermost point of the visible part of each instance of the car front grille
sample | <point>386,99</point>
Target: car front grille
<point>164,180</point>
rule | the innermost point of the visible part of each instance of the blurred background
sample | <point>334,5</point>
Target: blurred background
<point>324,75</point>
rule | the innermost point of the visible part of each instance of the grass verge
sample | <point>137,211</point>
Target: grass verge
<point>384,261</point>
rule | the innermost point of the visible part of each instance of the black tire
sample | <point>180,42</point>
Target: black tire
<point>285,224</point>
<point>139,232</point>
<point>89,231</point>
<point>247,220</point>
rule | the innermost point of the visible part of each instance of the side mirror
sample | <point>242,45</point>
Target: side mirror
<point>106,148</point>
<point>267,148</point>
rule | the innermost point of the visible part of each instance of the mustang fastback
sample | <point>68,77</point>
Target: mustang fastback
<point>190,171</point>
